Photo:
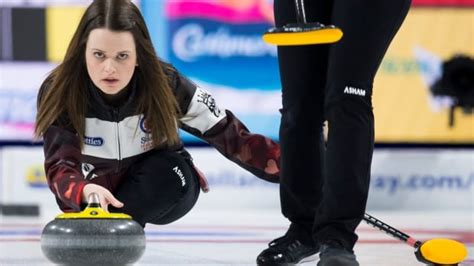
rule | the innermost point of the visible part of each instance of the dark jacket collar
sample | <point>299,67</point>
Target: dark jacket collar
<point>118,101</point>
<point>112,109</point>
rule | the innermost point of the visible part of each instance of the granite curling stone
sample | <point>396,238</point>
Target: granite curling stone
<point>93,237</point>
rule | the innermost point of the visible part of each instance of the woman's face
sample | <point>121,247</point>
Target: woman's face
<point>111,59</point>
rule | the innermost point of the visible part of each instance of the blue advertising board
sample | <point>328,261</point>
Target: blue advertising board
<point>218,45</point>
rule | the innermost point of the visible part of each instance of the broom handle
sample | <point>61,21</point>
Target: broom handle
<point>391,231</point>
<point>300,13</point>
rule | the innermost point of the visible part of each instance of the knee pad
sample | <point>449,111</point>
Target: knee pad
<point>347,102</point>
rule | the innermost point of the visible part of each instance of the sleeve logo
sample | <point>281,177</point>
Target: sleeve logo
<point>206,99</point>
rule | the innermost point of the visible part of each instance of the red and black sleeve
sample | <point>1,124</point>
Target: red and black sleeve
<point>63,167</point>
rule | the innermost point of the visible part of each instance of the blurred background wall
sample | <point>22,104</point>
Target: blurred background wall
<point>424,156</point>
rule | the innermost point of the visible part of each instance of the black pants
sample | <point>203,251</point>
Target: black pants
<point>159,188</point>
<point>324,188</point>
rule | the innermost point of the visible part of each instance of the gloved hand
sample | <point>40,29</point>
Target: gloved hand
<point>261,152</point>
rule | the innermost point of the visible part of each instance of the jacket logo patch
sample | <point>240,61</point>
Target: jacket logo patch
<point>88,171</point>
<point>145,141</point>
<point>143,126</point>
<point>93,141</point>
<point>206,98</point>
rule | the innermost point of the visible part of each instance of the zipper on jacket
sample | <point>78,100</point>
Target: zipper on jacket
<point>117,135</point>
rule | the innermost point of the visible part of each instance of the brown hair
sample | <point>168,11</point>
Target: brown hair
<point>63,93</point>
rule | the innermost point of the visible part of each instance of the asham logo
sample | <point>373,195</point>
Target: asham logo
<point>354,91</point>
<point>93,141</point>
<point>180,175</point>
<point>191,42</point>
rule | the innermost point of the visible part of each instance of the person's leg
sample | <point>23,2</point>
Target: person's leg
<point>303,74</point>
<point>303,78</point>
<point>368,26</point>
<point>160,188</point>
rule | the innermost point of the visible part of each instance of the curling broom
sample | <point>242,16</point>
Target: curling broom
<point>302,33</point>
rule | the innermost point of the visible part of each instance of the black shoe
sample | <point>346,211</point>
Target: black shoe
<point>333,253</point>
<point>287,250</point>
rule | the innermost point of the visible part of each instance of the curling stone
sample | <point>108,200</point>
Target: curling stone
<point>93,237</point>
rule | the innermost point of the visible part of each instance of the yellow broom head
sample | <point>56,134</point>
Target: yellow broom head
<point>443,251</point>
<point>302,34</point>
